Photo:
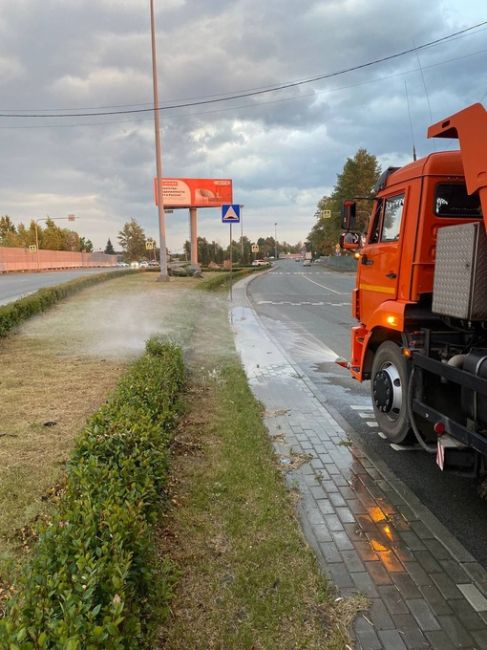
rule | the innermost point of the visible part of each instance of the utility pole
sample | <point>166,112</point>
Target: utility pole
<point>275,240</point>
<point>160,203</point>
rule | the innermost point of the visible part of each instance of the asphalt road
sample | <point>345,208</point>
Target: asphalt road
<point>16,285</point>
<point>307,310</point>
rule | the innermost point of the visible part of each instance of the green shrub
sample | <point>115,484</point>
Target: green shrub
<point>92,581</point>
<point>15,313</point>
<point>222,279</point>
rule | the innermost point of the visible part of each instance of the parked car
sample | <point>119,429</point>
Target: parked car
<point>143,265</point>
<point>260,263</point>
<point>307,263</point>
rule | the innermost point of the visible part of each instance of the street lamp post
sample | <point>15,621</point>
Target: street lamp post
<point>275,239</point>
<point>160,203</point>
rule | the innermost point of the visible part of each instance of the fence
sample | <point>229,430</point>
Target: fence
<point>22,259</point>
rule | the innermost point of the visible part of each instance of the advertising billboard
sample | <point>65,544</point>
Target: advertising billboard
<point>194,192</point>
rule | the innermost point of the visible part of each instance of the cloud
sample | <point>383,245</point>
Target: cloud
<point>282,149</point>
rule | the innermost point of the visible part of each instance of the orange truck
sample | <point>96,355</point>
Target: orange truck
<point>420,298</point>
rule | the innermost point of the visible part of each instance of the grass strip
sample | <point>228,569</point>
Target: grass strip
<point>92,581</point>
<point>15,313</point>
<point>248,578</point>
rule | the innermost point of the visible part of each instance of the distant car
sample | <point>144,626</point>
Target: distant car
<point>153,263</point>
<point>260,263</point>
<point>143,265</point>
<point>307,263</point>
<point>134,265</point>
<point>123,264</point>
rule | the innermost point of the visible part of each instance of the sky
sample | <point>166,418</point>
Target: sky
<point>282,149</point>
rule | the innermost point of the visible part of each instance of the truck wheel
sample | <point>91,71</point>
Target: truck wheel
<point>388,389</point>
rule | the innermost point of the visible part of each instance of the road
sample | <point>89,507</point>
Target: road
<point>16,285</point>
<point>307,310</point>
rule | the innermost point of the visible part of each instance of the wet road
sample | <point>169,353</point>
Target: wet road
<point>16,285</point>
<point>307,311</point>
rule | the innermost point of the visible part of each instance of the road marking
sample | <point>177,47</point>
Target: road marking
<point>382,435</point>
<point>361,407</point>
<point>305,302</point>
<point>339,293</point>
<point>405,447</point>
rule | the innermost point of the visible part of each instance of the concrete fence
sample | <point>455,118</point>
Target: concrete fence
<point>22,259</point>
<point>340,263</point>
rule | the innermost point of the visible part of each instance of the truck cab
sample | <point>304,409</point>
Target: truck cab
<point>404,297</point>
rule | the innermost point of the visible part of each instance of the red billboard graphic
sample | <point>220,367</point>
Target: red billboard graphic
<point>194,192</point>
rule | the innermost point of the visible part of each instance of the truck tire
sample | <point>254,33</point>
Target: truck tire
<point>389,381</point>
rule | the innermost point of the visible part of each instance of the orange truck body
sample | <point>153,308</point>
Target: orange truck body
<point>397,272</point>
<point>394,290</point>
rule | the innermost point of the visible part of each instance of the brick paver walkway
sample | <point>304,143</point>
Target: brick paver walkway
<point>369,532</point>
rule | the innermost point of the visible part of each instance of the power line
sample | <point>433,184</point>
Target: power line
<point>253,93</point>
<point>292,98</point>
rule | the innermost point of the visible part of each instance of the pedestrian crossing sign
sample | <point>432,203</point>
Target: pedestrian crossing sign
<point>230,214</point>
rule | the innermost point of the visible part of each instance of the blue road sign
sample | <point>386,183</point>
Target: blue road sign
<point>230,214</point>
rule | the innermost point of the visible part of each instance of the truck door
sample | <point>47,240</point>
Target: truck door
<point>380,257</point>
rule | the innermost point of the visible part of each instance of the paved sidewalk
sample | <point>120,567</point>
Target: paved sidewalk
<point>369,532</point>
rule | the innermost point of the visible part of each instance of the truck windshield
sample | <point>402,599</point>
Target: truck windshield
<point>452,200</point>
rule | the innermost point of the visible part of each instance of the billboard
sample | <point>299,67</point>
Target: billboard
<point>194,192</point>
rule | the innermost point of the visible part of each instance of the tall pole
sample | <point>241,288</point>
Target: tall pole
<point>37,248</point>
<point>275,240</point>
<point>241,239</point>
<point>193,235</point>
<point>231,263</point>
<point>160,202</point>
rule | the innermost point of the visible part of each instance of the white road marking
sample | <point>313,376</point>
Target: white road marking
<point>300,304</point>
<point>382,435</point>
<point>361,407</point>
<point>405,447</point>
<point>339,293</point>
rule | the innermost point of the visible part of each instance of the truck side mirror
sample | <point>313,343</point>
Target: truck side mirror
<point>350,241</point>
<point>349,211</point>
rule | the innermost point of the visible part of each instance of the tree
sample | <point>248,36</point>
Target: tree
<point>357,179</point>
<point>85,245</point>
<point>109,250</point>
<point>8,232</point>
<point>132,240</point>
<point>207,252</point>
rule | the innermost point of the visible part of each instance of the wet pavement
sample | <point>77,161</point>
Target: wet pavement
<point>370,533</point>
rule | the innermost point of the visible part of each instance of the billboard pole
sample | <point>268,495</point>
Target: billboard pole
<point>160,204</point>
<point>193,235</point>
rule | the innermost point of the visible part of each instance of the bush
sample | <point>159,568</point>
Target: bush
<point>15,313</point>
<point>222,279</point>
<point>92,581</point>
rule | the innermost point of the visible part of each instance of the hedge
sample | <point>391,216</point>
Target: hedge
<point>222,279</point>
<point>15,313</point>
<point>92,581</point>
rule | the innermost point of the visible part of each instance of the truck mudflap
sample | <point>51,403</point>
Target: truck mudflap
<point>468,438</point>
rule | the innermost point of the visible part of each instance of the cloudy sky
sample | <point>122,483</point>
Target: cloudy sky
<point>283,149</point>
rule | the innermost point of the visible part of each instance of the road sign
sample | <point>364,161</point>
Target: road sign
<point>230,213</point>
<point>255,248</point>
<point>326,214</point>
<point>149,244</point>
